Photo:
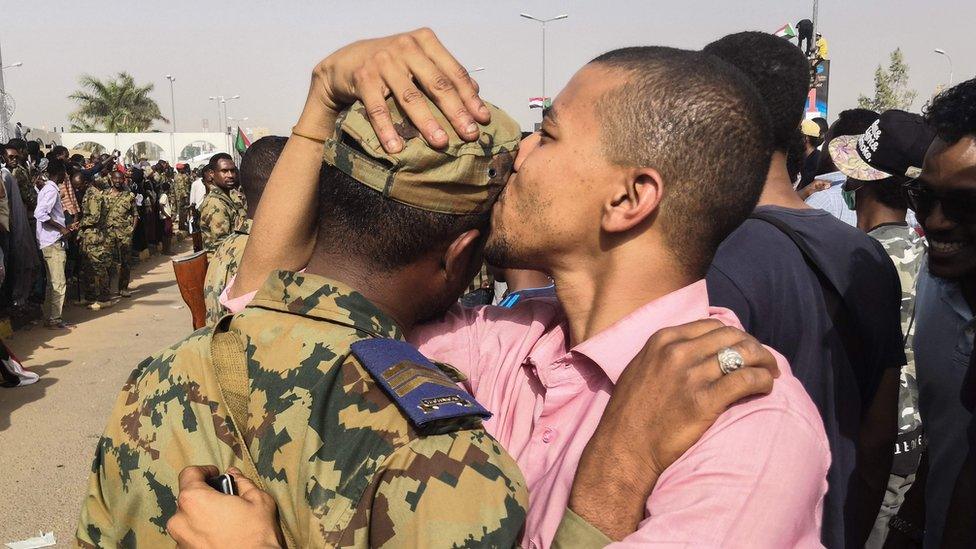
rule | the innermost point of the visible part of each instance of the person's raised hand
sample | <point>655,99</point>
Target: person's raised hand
<point>208,518</point>
<point>661,405</point>
<point>814,187</point>
<point>410,66</point>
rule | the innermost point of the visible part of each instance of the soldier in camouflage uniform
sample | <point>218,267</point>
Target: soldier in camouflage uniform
<point>95,246</point>
<point>181,195</point>
<point>360,440</point>
<point>256,166</point>
<point>120,221</point>
<point>222,266</point>
<point>223,210</point>
<point>18,169</point>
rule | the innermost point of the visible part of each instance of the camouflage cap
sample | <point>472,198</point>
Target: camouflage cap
<point>462,178</point>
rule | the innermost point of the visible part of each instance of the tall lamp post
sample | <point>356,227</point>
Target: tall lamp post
<point>217,121</point>
<point>172,100</point>
<point>941,51</point>
<point>221,100</point>
<point>174,157</point>
<point>543,22</point>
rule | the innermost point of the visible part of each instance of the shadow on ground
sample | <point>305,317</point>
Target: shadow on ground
<point>12,398</point>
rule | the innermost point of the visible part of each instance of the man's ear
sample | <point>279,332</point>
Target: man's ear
<point>636,199</point>
<point>459,255</point>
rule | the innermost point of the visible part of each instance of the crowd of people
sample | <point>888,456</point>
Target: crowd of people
<point>72,225</point>
<point>725,325</point>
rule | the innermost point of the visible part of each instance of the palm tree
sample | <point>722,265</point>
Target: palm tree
<point>116,104</point>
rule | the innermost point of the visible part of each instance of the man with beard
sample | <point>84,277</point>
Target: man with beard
<point>622,201</point>
<point>361,440</point>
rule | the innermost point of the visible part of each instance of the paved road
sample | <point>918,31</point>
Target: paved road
<point>48,430</point>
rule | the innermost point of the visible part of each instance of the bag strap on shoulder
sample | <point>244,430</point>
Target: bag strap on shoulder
<point>230,367</point>
<point>837,309</point>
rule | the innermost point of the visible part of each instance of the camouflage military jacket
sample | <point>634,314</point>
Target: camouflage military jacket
<point>92,227</point>
<point>28,193</point>
<point>121,214</point>
<point>222,266</point>
<point>221,213</point>
<point>337,453</point>
<point>181,186</point>
<point>907,250</point>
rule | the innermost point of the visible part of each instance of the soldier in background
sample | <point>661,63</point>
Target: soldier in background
<point>181,195</point>
<point>877,165</point>
<point>256,165</point>
<point>94,245</point>
<point>121,217</point>
<point>361,440</point>
<point>222,211</point>
<point>17,164</point>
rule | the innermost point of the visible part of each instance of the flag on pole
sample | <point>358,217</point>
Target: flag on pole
<point>786,31</point>
<point>242,142</point>
<point>540,102</point>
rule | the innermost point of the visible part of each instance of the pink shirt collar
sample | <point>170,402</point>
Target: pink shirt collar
<point>613,348</point>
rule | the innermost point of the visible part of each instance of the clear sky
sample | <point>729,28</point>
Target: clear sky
<point>264,50</point>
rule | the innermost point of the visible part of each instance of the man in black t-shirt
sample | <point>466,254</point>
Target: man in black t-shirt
<point>823,294</point>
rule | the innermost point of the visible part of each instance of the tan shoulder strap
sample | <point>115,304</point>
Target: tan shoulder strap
<point>230,367</point>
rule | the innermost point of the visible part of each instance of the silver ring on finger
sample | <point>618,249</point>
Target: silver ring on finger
<point>729,360</point>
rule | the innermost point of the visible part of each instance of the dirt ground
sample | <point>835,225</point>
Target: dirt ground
<point>48,430</point>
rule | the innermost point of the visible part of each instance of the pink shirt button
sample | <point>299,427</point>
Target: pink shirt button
<point>548,435</point>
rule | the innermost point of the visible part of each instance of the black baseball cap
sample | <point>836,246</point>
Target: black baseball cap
<point>896,143</point>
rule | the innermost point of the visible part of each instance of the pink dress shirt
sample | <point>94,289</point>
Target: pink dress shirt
<point>757,478</point>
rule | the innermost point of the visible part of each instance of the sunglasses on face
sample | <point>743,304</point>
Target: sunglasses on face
<point>958,205</point>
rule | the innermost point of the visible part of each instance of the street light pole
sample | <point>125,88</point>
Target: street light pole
<point>4,123</point>
<point>543,22</point>
<point>217,120</point>
<point>941,51</point>
<point>172,100</point>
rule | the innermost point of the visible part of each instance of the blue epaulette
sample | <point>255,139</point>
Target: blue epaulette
<point>421,390</point>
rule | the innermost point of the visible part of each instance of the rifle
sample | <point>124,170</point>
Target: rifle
<point>191,273</point>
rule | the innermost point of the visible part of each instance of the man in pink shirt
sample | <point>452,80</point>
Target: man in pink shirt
<point>646,161</point>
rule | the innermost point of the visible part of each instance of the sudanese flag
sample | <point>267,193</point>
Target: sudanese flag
<point>242,142</point>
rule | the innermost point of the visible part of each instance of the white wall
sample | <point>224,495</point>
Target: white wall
<point>170,143</point>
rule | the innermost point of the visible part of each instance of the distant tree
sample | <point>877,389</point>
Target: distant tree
<point>891,89</point>
<point>115,104</point>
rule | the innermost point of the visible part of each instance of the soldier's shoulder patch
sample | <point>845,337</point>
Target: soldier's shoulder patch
<point>420,389</point>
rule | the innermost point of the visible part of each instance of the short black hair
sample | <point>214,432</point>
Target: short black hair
<point>256,165</point>
<point>16,144</point>
<point>59,149</point>
<point>700,123</point>
<point>77,158</point>
<point>56,166</point>
<point>383,233</point>
<point>952,114</point>
<point>779,71</point>
<point>889,192</point>
<point>849,122</point>
<point>217,158</point>
<point>853,122</point>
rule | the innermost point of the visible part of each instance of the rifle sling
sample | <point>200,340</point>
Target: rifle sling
<point>230,368</point>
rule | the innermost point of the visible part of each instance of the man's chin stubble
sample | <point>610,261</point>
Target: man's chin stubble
<point>499,252</point>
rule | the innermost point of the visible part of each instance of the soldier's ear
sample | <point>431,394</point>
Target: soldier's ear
<point>460,254</point>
